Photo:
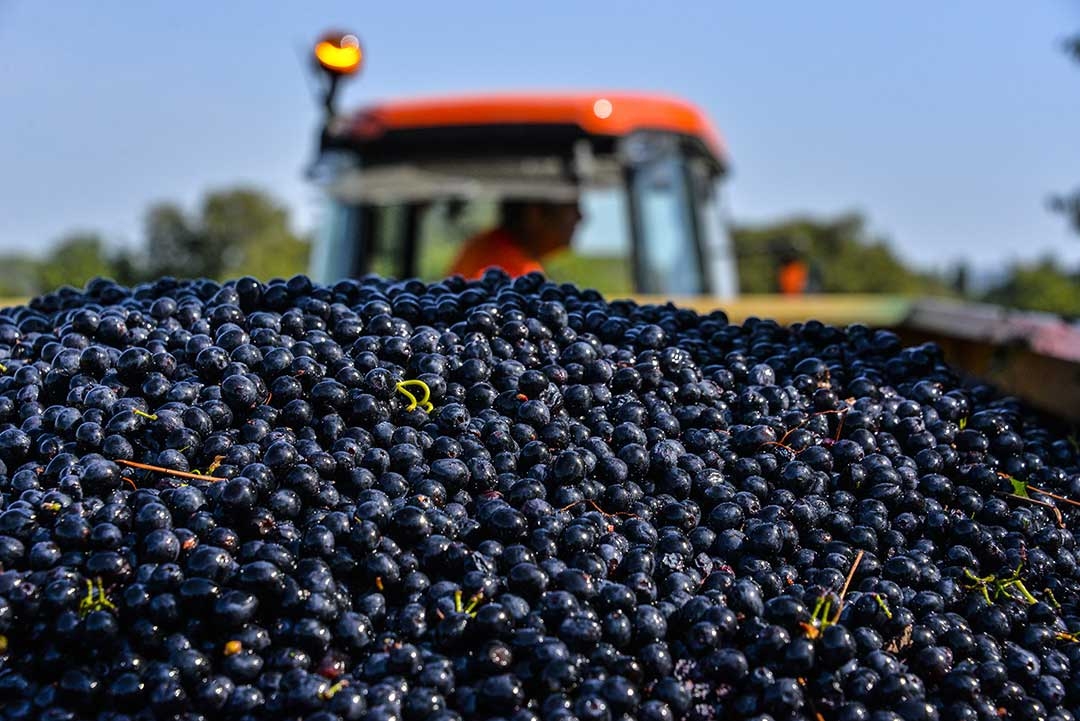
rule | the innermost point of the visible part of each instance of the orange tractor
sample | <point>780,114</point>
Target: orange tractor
<point>409,181</point>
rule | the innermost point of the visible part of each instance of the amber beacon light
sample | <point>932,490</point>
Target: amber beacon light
<point>339,53</point>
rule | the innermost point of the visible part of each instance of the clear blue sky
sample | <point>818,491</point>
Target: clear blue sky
<point>947,124</point>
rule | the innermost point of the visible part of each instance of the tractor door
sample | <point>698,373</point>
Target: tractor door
<point>679,244</point>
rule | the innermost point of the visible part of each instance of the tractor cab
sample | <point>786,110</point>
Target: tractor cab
<point>408,182</point>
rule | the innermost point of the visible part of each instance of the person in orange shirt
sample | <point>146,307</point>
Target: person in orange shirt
<point>528,231</point>
<point>793,275</point>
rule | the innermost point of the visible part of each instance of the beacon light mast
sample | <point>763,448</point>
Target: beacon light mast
<point>336,56</point>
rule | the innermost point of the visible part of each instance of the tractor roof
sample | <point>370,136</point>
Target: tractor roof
<point>594,114</point>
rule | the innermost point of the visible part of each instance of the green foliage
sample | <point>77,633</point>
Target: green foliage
<point>612,276</point>
<point>176,246</point>
<point>843,258</point>
<point>239,231</point>
<point>1041,286</point>
<point>248,233</point>
<point>19,276</point>
<point>76,259</point>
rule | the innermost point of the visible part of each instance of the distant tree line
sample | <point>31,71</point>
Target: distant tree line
<point>235,231</point>
<point>841,255</point>
<point>844,258</point>
<point>243,231</point>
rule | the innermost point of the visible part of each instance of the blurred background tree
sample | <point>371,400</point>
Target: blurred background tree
<point>1044,285</point>
<point>174,247</point>
<point>843,257</point>
<point>244,231</point>
<point>237,231</point>
<point>1069,203</point>
<point>20,276</point>
<point>1069,206</point>
<point>76,259</point>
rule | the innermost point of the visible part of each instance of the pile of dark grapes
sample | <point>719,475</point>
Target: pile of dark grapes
<point>216,502</point>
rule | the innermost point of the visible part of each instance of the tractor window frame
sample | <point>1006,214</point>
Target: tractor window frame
<point>662,193</point>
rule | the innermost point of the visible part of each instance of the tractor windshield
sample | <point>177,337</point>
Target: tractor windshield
<point>650,220</point>
<point>423,239</point>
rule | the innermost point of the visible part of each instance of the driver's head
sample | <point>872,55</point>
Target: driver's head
<point>545,227</point>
